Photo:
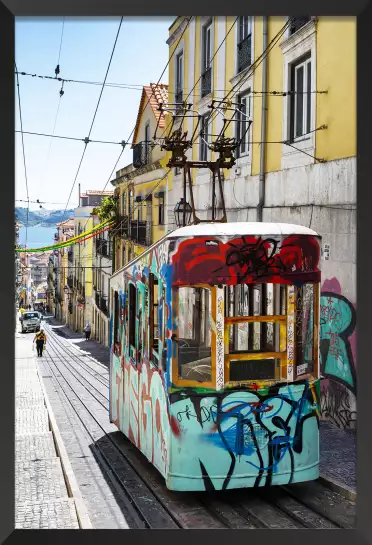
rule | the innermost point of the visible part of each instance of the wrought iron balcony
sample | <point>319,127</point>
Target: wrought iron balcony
<point>139,232</point>
<point>103,247</point>
<point>245,53</point>
<point>178,99</point>
<point>298,22</point>
<point>121,228</point>
<point>206,82</point>
<point>103,304</point>
<point>141,154</point>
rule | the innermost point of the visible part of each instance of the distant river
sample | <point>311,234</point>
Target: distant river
<point>37,236</point>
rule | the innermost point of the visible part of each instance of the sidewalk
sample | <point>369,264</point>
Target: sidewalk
<point>41,497</point>
<point>337,447</point>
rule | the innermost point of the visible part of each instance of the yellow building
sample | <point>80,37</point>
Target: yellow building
<point>65,230</point>
<point>292,81</point>
<point>141,186</point>
<point>80,264</point>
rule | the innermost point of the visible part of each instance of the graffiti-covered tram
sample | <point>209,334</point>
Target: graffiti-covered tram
<point>214,370</point>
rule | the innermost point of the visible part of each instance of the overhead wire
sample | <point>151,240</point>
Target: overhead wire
<point>57,70</point>
<point>23,150</point>
<point>94,116</point>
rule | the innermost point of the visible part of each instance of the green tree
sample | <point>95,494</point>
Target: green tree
<point>108,209</point>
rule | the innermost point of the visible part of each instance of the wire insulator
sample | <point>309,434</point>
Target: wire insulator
<point>57,70</point>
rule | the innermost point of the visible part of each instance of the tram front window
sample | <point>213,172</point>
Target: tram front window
<point>194,334</point>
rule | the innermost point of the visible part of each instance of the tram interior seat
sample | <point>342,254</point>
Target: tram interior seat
<point>195,361</point>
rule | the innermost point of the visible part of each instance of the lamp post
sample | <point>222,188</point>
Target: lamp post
<point>182,213</point>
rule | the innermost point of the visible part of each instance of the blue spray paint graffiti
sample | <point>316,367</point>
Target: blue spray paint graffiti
<point>337,323</point>
<point>257,435</point>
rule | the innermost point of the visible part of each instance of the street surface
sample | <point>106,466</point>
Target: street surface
<point>121,489</point>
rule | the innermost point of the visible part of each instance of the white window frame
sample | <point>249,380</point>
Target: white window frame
<point>247,96</point>
<point>295,47</point>
<point>206,62</point>
<point>238,75</point>
<point>304,99</point>
<point>205,21</point>
<point>206,115</point>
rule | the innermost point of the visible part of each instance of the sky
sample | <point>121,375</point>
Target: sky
<point>140,56</point>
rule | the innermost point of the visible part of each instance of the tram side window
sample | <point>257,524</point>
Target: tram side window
<point>132,315</point>
<point>116,318</point>
<point>304,329</point>
<point>154,318</point>
<point>261,336</point>
<point>194,334</point>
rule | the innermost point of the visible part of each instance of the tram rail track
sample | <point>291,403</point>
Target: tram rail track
<point>153,505</point>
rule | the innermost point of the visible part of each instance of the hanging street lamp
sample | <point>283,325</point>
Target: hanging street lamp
<point>182,213</point>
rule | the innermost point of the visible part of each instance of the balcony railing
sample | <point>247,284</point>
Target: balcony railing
<point>104,247</point>
<point>298,22</point>
<point>103,304</point>
<point>206,82</point>
<point>141,154</point>
<point>139,233</point>
<point>178,99</point>
<point>245,53</point>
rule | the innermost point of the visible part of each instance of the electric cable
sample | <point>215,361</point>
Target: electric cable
<point>23,150</point>
<point>94,116</point>
<point>57,70</point>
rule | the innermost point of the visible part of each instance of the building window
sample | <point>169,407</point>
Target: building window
<point>298,22</point>
<point>124,203</point>
<point>139,207</point>
<point>204,137</point>
<point>161,208</point>
<point>179,78</point>
<point>206,80</point>
<point>242,125</point>
<point>244,42</point>
<point>300,115</point>
<point>123,257</point>
<point>147,144</point>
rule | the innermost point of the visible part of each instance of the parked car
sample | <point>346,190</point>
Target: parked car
<point>30,321</point>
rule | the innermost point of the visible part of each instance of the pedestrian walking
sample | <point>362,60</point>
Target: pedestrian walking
<point>40,339</point>
<point>87,331</point>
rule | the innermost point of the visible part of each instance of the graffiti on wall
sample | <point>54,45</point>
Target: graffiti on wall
<point>337,324</point>
<point>338,355</point>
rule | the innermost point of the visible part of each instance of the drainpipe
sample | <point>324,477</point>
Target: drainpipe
<point>261,187</point>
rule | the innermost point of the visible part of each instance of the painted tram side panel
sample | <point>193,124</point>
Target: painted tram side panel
<point>210,397</point>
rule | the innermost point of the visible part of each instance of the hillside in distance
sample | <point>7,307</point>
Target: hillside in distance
<point>45,218</point>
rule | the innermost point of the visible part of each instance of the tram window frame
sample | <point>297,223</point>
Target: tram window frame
<point>132,301</point>
<point>116,318</point>
<point>206,330</point>
<point>154,355</point>
<point>309,365</point>
<point>264,318</point>
<point>278,316</point>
